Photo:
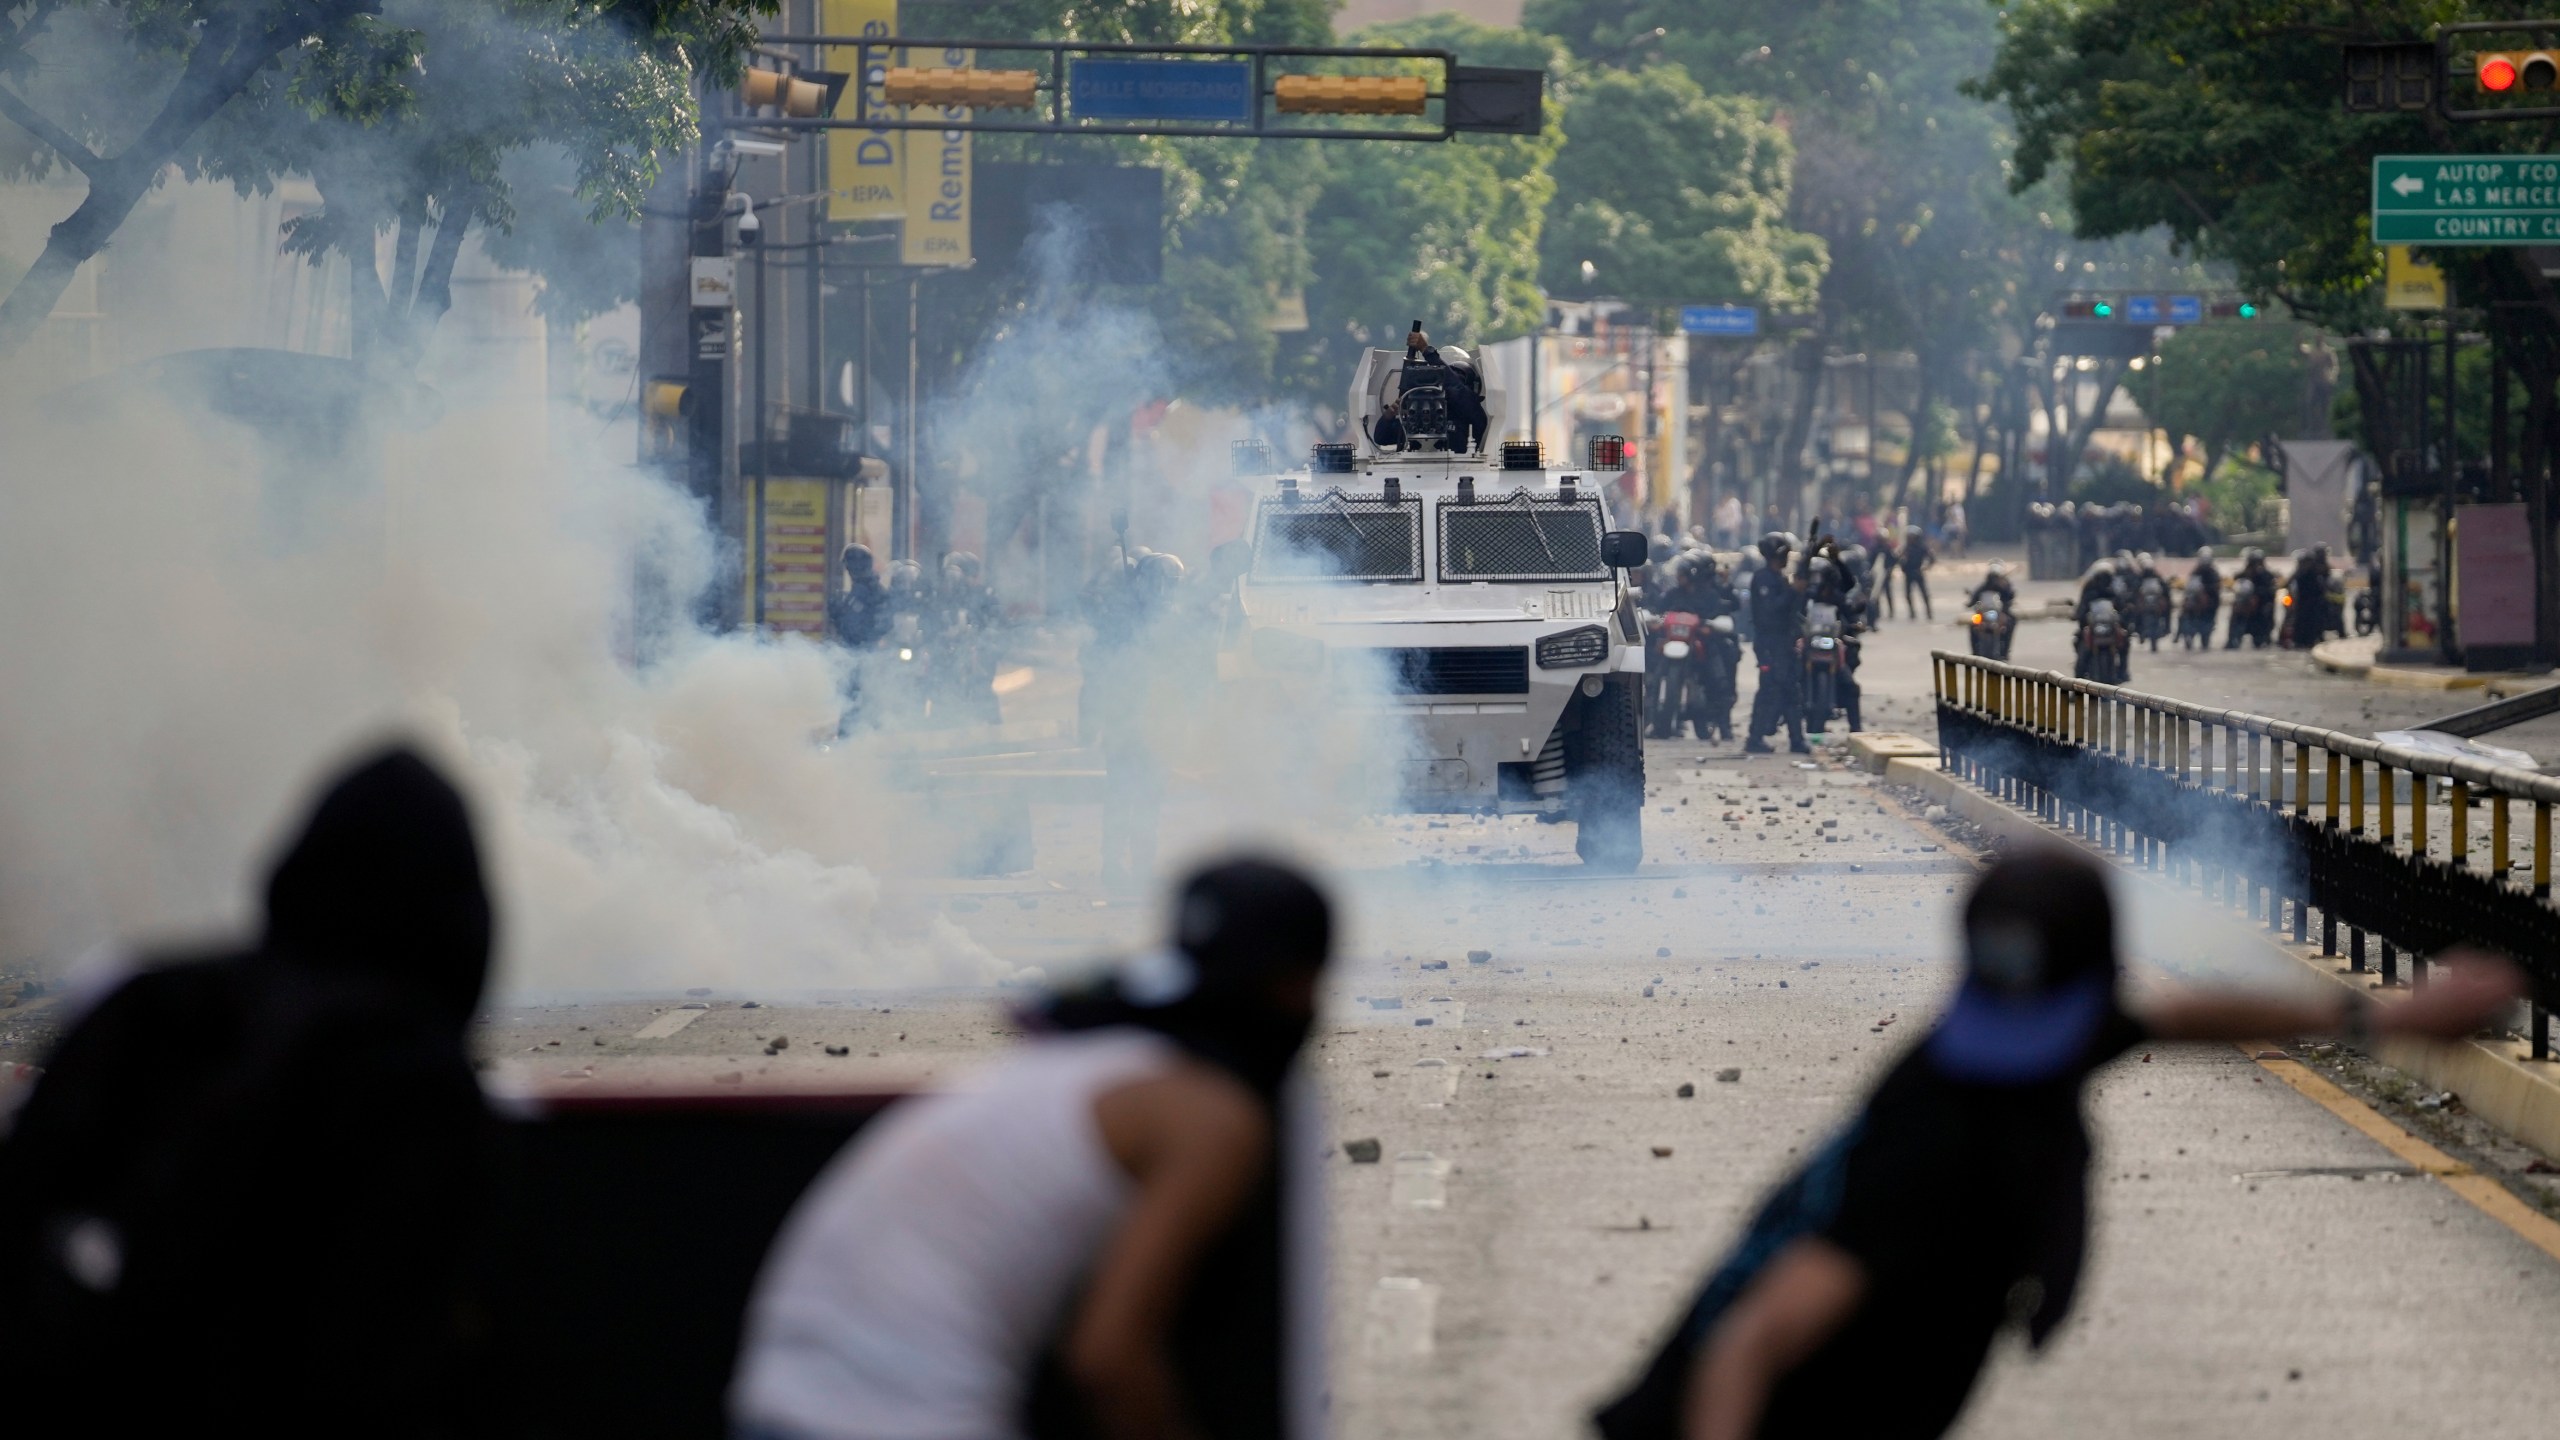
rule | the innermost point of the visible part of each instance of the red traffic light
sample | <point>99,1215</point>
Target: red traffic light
<point>2497,73</point>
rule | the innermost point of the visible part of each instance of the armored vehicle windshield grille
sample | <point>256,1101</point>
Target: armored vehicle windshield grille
<point>1339,537</point>
<point>1521,537</point>
<point>1455,670</point>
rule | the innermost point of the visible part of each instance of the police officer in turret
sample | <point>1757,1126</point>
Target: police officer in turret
<point>1777,625</point>
<point>1468,420</point>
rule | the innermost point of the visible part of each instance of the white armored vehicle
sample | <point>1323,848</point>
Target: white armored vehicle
<point>1478,601</point>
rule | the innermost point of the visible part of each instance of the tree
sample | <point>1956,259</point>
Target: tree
<point>1896,171</point>
<point>1446,233</point>
<point>190,57</point>
<point>2226,385</point>
<point>409,132</point>
<point>1674,197</point>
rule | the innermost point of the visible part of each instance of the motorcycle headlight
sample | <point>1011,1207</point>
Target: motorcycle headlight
<point>1281,650</point>
<point>1675,649</point>
<point>1573,649</point>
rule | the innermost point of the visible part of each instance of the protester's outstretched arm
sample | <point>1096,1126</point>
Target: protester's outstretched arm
<point>1806,1293</point>
<point>2464,991</point>
<point>1195,1142</point>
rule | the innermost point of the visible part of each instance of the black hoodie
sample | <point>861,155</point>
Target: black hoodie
<point>246,1188</point>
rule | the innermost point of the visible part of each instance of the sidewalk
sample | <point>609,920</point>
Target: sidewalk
<point>2354,658</point>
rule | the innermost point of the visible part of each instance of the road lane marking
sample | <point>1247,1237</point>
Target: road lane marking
<point>668,1024</point>
<point>2484,1194</point>
<point>1402,1314</point>
<point>1421,1182</point>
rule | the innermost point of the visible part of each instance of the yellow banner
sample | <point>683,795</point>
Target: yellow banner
<point>938,175</point>
<point>2408,285</point>
<point>866,169</point>
<point>796,573</point>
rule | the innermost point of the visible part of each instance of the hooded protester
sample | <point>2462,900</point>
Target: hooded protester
<point>1084,1240</point>
<point>1865,1294</point>
<point>245,1192</point>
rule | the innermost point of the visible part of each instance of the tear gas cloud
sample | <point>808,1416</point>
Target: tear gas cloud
<point>193,631</point>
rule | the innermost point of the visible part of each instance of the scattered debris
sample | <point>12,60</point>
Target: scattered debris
<point>1661,1152</point>
<point>751,1005</point>
<point>1435,964</point>
<point>2441,1100</point>
<point>1662,952</point>
<point>1515,1052</point>
<point>1686,1091</point>
<point>1362,1152</point>
<point>1479,957</point>
<point>839,1051</point>
<point>1729,1075</point>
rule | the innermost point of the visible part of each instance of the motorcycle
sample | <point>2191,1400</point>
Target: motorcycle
<point>2195,618</point>
<point>2105,646</point>
<point>1826,663</point>
<point>2249,617</point>
<point>1991,627</point>
<point>2151,610</point>
<point>2368,609</point>
<point>1671,671</point>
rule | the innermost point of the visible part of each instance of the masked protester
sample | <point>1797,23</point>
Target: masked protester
<point>1084,1239</point>
<point>245,1193</point>
<point>1865,1294</point>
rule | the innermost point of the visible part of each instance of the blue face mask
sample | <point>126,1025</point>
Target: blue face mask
<point>1993,1037</point>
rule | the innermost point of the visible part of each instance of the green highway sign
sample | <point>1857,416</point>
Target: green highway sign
<point>2466,200</point>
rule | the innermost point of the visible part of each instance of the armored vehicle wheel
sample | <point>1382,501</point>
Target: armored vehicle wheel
<point>1604,776</point>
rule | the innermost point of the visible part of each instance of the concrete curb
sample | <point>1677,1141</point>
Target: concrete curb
<point>2353,658</point>
<point>2495,1079</point>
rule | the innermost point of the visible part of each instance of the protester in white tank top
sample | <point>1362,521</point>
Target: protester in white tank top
<point>918,1279</point>
<point>1056,1207</point>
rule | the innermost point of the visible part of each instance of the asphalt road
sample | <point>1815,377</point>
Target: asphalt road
<point>1545,1198</point>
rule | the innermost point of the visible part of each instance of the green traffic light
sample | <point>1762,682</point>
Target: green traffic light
<point>2102,309</point>
<point>2248,311</point>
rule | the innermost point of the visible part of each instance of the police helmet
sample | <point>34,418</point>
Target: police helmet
<point>1775,545</point>
<point>2145,561</point>
<point>2105,567</point>
<point>1997,568</point>
<point>1159,572</point>
<point>963,566</point>
<point>905,575</point>
<point>1457,359</point>
<point>2205,553</point>
<point>858,562</point>
<point>1822,567</point>
<point>2252,556</point>
<point>2320,552</point>
<point>1854,556</point>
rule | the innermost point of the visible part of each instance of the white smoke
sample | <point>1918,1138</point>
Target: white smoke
<point>191,637</point>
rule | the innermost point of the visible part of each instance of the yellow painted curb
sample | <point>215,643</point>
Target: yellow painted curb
<point>2484,1194</point>
<point>1876,749</point>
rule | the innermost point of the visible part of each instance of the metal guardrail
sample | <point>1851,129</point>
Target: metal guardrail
<point>2207,797</point>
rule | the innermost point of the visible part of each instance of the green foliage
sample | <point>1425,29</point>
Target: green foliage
<point>2240,496</point>
<point>2219,119</point>
<point>1447,234</point>
<point>1674,197</point>
<point>2226,385</point>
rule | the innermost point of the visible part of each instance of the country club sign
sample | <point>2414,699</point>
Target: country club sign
<point>2466,200</point>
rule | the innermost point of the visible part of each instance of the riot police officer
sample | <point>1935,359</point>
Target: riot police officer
<point>2253,602</point>
<point>2312,621</point>
<point>859,614</point>
<point>1777,622</point>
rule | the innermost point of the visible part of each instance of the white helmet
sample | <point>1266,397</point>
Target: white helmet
<point>1456,358</point>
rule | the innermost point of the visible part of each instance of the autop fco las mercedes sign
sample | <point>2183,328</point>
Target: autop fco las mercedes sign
<point>2466,200</point>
